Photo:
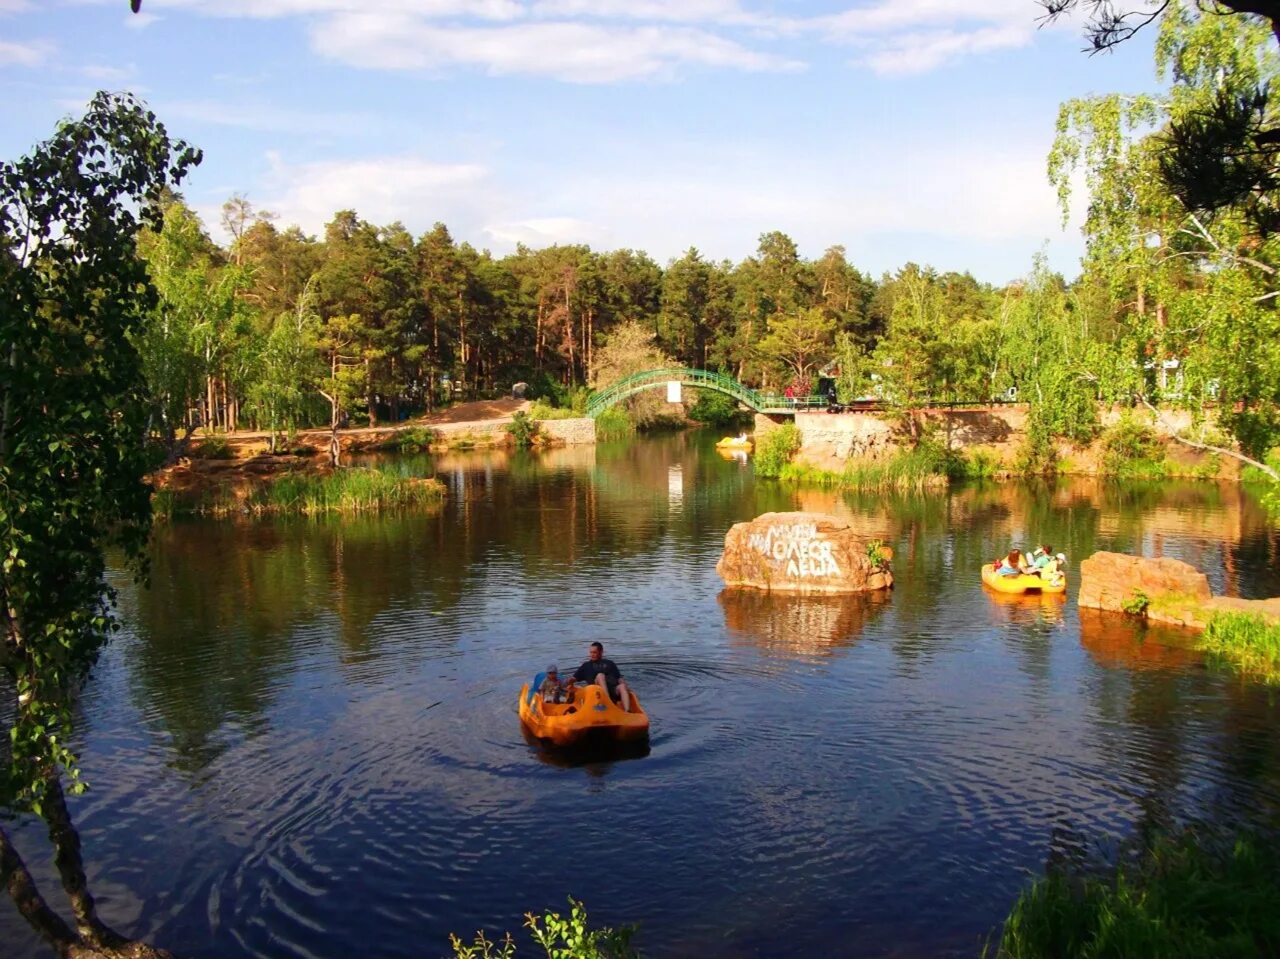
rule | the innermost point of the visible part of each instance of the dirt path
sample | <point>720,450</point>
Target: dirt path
<point>459,415</point>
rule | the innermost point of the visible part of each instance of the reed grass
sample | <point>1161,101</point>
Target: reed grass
<point>347,490</point>
<point>908,470</point>
<point>614,424</point>
<point>1246,642</point>
<point>1187,897</point>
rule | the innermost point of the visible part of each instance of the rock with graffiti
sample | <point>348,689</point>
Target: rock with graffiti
<point>803,553</point>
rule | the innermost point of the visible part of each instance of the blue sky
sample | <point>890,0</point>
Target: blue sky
<point>905,130</point>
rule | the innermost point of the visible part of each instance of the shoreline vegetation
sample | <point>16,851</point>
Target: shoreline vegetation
<point>305,491</point>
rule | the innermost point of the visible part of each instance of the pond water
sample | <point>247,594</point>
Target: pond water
<point>305,742</point>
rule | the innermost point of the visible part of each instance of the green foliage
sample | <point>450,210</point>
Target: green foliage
<point>713,408</point>
<point>1183,898</point>
<point>560,937</point>
<point>798,342</point>
<point>73,409</point>
<point>346,490</point>
<point>542,410</point>
<point>632,348</point>
<point>416,439</point>
<point>1130,448</point>
<point>774,450</point>
<point>1136,605</point>
<point>613,424</point>
<point>915,469</point>
<point>213,448</point>
<point>1246,642</point>
<point>523,429</point>
<point>876,554</point>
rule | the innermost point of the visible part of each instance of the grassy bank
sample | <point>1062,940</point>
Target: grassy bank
<point>1246,643</point>
<point>1192,896</point>
<point>305,493</point>
<point>927,465</point>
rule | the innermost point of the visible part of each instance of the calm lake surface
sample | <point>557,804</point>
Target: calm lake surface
<point>305,742</point>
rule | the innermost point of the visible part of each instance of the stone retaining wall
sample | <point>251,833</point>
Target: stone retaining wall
<point>573,432</point>
<point>829,440</point>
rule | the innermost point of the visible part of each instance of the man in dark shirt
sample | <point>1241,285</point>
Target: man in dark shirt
<point>604,674</point>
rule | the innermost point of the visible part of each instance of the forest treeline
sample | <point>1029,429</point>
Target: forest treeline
<point>1174,304</point>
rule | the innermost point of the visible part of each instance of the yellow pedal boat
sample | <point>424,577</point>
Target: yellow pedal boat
<point>733,443</point>
<point>592,714</point>
<point>1021,584</point>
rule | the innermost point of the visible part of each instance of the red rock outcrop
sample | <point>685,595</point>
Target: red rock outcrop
<point>802,553</point>
<point>1112,580</point>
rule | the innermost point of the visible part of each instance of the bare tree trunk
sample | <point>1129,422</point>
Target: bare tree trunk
<point>16,878</point>
<point>70,863</point>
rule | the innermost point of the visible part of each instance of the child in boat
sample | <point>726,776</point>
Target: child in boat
<point>552,690</point>
<point>1012,565</point>
<point>1051,571</point>
<point>1041,557</point>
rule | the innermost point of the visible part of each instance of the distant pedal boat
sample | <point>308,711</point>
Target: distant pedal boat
<point>1023,583</point>
<point>592,714</point>
<point>733,443</point>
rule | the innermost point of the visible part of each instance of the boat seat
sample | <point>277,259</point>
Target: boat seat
<point>535,686</point>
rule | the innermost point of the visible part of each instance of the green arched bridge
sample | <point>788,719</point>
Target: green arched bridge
<point>703,380</point>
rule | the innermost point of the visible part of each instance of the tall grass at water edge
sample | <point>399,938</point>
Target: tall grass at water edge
<point>926,465</point>
<point>347,490</point>
<point>613,424</point>
<point>1188,897</point>
<point>1247,643</point>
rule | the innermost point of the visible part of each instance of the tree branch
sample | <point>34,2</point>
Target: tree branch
<point>1234,454</point>
<point>16,879</point>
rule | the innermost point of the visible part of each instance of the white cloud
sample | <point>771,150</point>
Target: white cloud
<point>382,190</point>
<point>921,52</point>
<point>915,36</point>
<point>574,52</point>
<point>140,20</point>
<point>103,73</point>
<point>548,231</point>
<point>264,117</point>
<point>273,9</point>
<point>607,41</point>
<point>31,54</point>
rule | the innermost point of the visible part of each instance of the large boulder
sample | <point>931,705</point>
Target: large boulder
<point>1114,581</point>
<point>803,553</point>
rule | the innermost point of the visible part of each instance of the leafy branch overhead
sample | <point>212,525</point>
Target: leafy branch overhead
<point>1222,152</point>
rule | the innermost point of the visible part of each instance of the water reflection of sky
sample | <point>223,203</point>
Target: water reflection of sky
<point>306,742</point>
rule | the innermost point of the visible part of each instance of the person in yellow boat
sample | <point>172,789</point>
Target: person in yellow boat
<point>552,690</point>
<point>1051,570</point>
<point>1013,564</point>
<point>603,673</point>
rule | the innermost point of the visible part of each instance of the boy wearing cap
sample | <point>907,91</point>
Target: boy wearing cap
<point>552,690</point>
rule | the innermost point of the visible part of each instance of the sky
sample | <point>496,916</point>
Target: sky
<point>903,130</point>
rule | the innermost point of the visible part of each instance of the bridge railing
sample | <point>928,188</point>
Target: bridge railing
<point>648,379</point>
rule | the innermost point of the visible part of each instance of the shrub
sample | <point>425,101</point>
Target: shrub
<point>875,554</point>
<point>1245,642</point>
<point>1190,896</point>
<point>559,937</point>
<point>714,408</point>
<point>542,410</point>
<point>614,423</point>
<point>1130,448</point>
<point>523,429</point>
<point>1136,605</point>
<point>213,448</point>
<point>775,449</point>
<point>417,439</point>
